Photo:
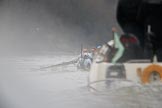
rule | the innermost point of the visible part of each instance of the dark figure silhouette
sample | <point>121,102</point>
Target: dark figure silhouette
<point>143,19</point>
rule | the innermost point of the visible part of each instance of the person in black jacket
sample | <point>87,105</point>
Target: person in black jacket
<point>143,19</point>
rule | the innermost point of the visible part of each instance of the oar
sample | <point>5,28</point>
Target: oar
<point>65,63</point>
<point>61,64</point>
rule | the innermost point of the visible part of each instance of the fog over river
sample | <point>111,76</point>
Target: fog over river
<point>40,33</point>
<point>23,85</point>
<point>44,26</point>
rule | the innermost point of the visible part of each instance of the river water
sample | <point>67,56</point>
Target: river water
<point>24,84</point>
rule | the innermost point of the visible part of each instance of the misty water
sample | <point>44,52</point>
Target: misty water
<point>40,33</point>
<point>24,84</point>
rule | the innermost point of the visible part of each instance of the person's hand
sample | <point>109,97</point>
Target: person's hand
<point>114,29</point>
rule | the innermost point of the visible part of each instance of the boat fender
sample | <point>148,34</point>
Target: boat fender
<point>146,73</point>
